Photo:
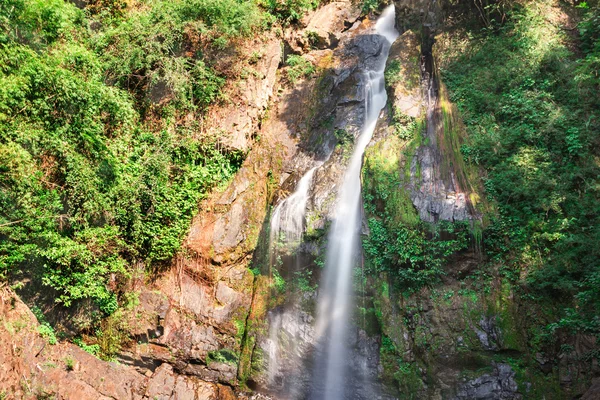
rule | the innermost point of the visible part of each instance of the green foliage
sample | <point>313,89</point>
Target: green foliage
<point>409,251</point>
<point>405,126</point>
<point>369,6</point>
<point>303,281</point>
<point>69,363</point>
<point>87,188</point>
<point>112,334</point>
<point>47,332</point>
<point>405,375</point>
<point>298,67</point>
<point>146,52</point>
<point>222,356</point>
<point>393,72</point>
<point>531,110</point>
<point>93,349</point>
<point>411,256</point>
<point>289,10</point>
<point>278,282</point>
<point>44,329</point>
<point>343,136</point>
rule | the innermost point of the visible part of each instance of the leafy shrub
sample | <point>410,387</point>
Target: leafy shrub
<point>69,363</point>
<point>405,126</point>
<point>343,136</point>
<point>289,10</point>
<point>93,349</point>
<point>298,67</point>
<point>225,356</point>
<point>47,332</point>
<point>413,253</point>
<point>87,189</point>
<point>371,5</point>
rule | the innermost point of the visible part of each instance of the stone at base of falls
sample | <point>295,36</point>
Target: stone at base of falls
<point>499,385</point>
<point>593,392</point>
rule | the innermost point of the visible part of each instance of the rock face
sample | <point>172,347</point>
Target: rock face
<point>324,28</point>
<point>498,385</point>
<point>287,342</point>
<point>31,367</point>
<point>239,118</point>
<point>437,190</point>
<point>194,314</point>
<point>467,336</point>
<point>593,393</point>
<point>200,313</point>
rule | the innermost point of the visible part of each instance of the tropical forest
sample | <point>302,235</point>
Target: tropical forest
<point>300,199</point>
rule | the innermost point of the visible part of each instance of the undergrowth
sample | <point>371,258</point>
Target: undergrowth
<point>530,104</point>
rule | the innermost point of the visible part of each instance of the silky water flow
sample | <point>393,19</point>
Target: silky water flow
<point>331,357</point>
<point>344,250</point>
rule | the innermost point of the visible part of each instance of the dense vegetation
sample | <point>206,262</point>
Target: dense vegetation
<point>411,252</point>
<point>100,172</point>
<point>528,91</point>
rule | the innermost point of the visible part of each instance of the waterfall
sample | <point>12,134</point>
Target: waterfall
<point>343,252</point>
<point>287,222</point>
<point>286,231</point>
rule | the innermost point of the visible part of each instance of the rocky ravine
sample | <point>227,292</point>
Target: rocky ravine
<point>203,325</point>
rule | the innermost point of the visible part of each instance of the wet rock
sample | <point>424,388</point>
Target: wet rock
<point>488,333</point>
<point>499,385</point>
<point>593,393</point>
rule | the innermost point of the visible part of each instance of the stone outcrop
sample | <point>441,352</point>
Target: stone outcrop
<point>324,28</point>
<point>593,393</point>
<point>498,385</point>
<point>197,311</point>
<point>236,121</point>
<point>288,338</point>
<point>32,367</point>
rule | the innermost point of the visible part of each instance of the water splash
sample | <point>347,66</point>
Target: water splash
<point>343,241</point>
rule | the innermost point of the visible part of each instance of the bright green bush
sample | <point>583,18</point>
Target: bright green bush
<point>289,10</point>
<point>411,252</point>
<point>86,188</point>
<point>299,67</point>
<point>531,108</point>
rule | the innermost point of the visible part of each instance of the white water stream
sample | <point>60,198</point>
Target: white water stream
<point>343,252</point>
<point>286,231</point>
<point>287,221</point>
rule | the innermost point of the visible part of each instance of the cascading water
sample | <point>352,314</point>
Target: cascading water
<point>288,216</point>
<point>286,231</point>
<point>343,250</point>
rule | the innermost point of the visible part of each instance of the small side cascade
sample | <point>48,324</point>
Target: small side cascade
<point>328,371</point>
<point>287,221</point>
<point>286,232</point>
<point>274,328</point>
